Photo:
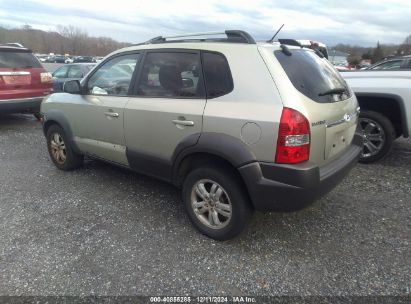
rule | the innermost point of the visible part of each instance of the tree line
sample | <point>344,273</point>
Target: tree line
<point>75,41</point>
<point>377,53</point>
<point>63,40</point>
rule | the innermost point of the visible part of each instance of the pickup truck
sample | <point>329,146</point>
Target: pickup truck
<point>385,101</point>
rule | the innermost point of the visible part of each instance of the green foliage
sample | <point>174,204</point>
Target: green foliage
<point>367,55</point>
<point>377,54</point>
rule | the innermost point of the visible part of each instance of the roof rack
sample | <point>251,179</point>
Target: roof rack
<point>13,44</point>
<point>233,36</point>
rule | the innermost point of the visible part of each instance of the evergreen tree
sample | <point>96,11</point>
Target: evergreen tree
<point>377,54</point>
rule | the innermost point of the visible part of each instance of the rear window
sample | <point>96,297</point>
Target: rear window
<point>16,60</point>
<point>312,75</point>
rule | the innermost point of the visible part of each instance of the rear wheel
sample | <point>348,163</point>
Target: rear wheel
<point>377,133</point>
<point>37,115</point>
<point>61,153</point>
<point>216,203</point>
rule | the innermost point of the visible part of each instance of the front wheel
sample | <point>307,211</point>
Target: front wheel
<point>216,203</point>
<point>61,153</point>
<point>378,135</point>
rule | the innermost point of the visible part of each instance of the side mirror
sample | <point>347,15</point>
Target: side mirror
<point>72,87</point>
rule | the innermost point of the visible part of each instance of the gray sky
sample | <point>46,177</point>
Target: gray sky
<point>361,22</point>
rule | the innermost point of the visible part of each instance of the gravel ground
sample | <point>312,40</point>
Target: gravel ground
<point>103,230</point>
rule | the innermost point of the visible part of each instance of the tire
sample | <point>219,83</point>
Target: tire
<point>60,151</point>
<point>231,196</point>
<point>378,135</point>
<point>37,115</point>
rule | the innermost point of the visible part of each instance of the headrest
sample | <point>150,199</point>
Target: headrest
<point>170,78</point>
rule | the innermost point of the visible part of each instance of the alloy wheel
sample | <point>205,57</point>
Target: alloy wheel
<point>211,204</point>
<point>373,137</point>
<point>58,148</point>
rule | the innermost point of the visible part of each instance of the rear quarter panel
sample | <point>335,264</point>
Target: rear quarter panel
<point>252,111</point>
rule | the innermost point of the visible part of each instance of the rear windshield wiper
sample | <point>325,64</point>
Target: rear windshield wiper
<point>336,91</point>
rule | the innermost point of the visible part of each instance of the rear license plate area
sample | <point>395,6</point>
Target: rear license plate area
<point>17,79</point>
<point>338,138</point>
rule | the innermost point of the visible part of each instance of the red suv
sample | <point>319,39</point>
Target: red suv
<point>23,80</point>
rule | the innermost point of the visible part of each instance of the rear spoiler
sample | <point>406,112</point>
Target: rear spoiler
<point>294,42</point>
<point>290,42</point>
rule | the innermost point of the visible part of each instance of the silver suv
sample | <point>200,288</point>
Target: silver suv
<point>238,125</point>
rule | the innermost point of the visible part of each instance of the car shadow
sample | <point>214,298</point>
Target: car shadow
<point>16,119</point>
<point>399,155</point>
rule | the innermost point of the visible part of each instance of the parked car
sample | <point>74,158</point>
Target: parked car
<point>273,132</point>
<point>69,60</point>
<point>23,80</point>
<point>69,72</point>
<point>79,59</point>
<point>41,58</point>
<point>395,63</point>
<point>56,59</point>
<point>342,66</point>
<point>385,101</point>
<point>97,59</point>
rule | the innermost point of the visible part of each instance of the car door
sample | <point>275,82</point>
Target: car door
<point>98,123</point>
<point>166,109</point>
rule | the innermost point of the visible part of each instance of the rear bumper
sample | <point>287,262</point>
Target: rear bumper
<point>21,105</point>
<point>276,187</point>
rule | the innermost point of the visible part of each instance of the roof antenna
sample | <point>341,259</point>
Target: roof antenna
<point>272,39</point>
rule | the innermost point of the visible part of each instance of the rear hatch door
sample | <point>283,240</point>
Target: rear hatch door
<point>323,97</point>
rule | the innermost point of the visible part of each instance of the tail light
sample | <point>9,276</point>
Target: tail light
<point>46,77</point>
<point>293,144</point>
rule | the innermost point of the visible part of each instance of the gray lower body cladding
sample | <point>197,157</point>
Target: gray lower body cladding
<point>20,105</point>
<point>275,187</point>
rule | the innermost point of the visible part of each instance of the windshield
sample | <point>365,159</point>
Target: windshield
<point>312,75</point>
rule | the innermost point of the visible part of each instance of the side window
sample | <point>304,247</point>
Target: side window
<point>75,72</point>
<point>167,74</point>
<point>61,72</point>
<point>217,75</point>
<point>114,76</point>
<point>390,65</point>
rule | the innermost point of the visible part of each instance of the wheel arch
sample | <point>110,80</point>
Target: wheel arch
<point>215,148</point>
<point>57,117</point>
<point>390,105</point>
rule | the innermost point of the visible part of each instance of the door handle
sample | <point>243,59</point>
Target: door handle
<point>187,123</point>
<point>111,114</point>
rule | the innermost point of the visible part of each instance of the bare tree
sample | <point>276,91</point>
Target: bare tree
<point>63,40</point>
<point>405,47</point>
